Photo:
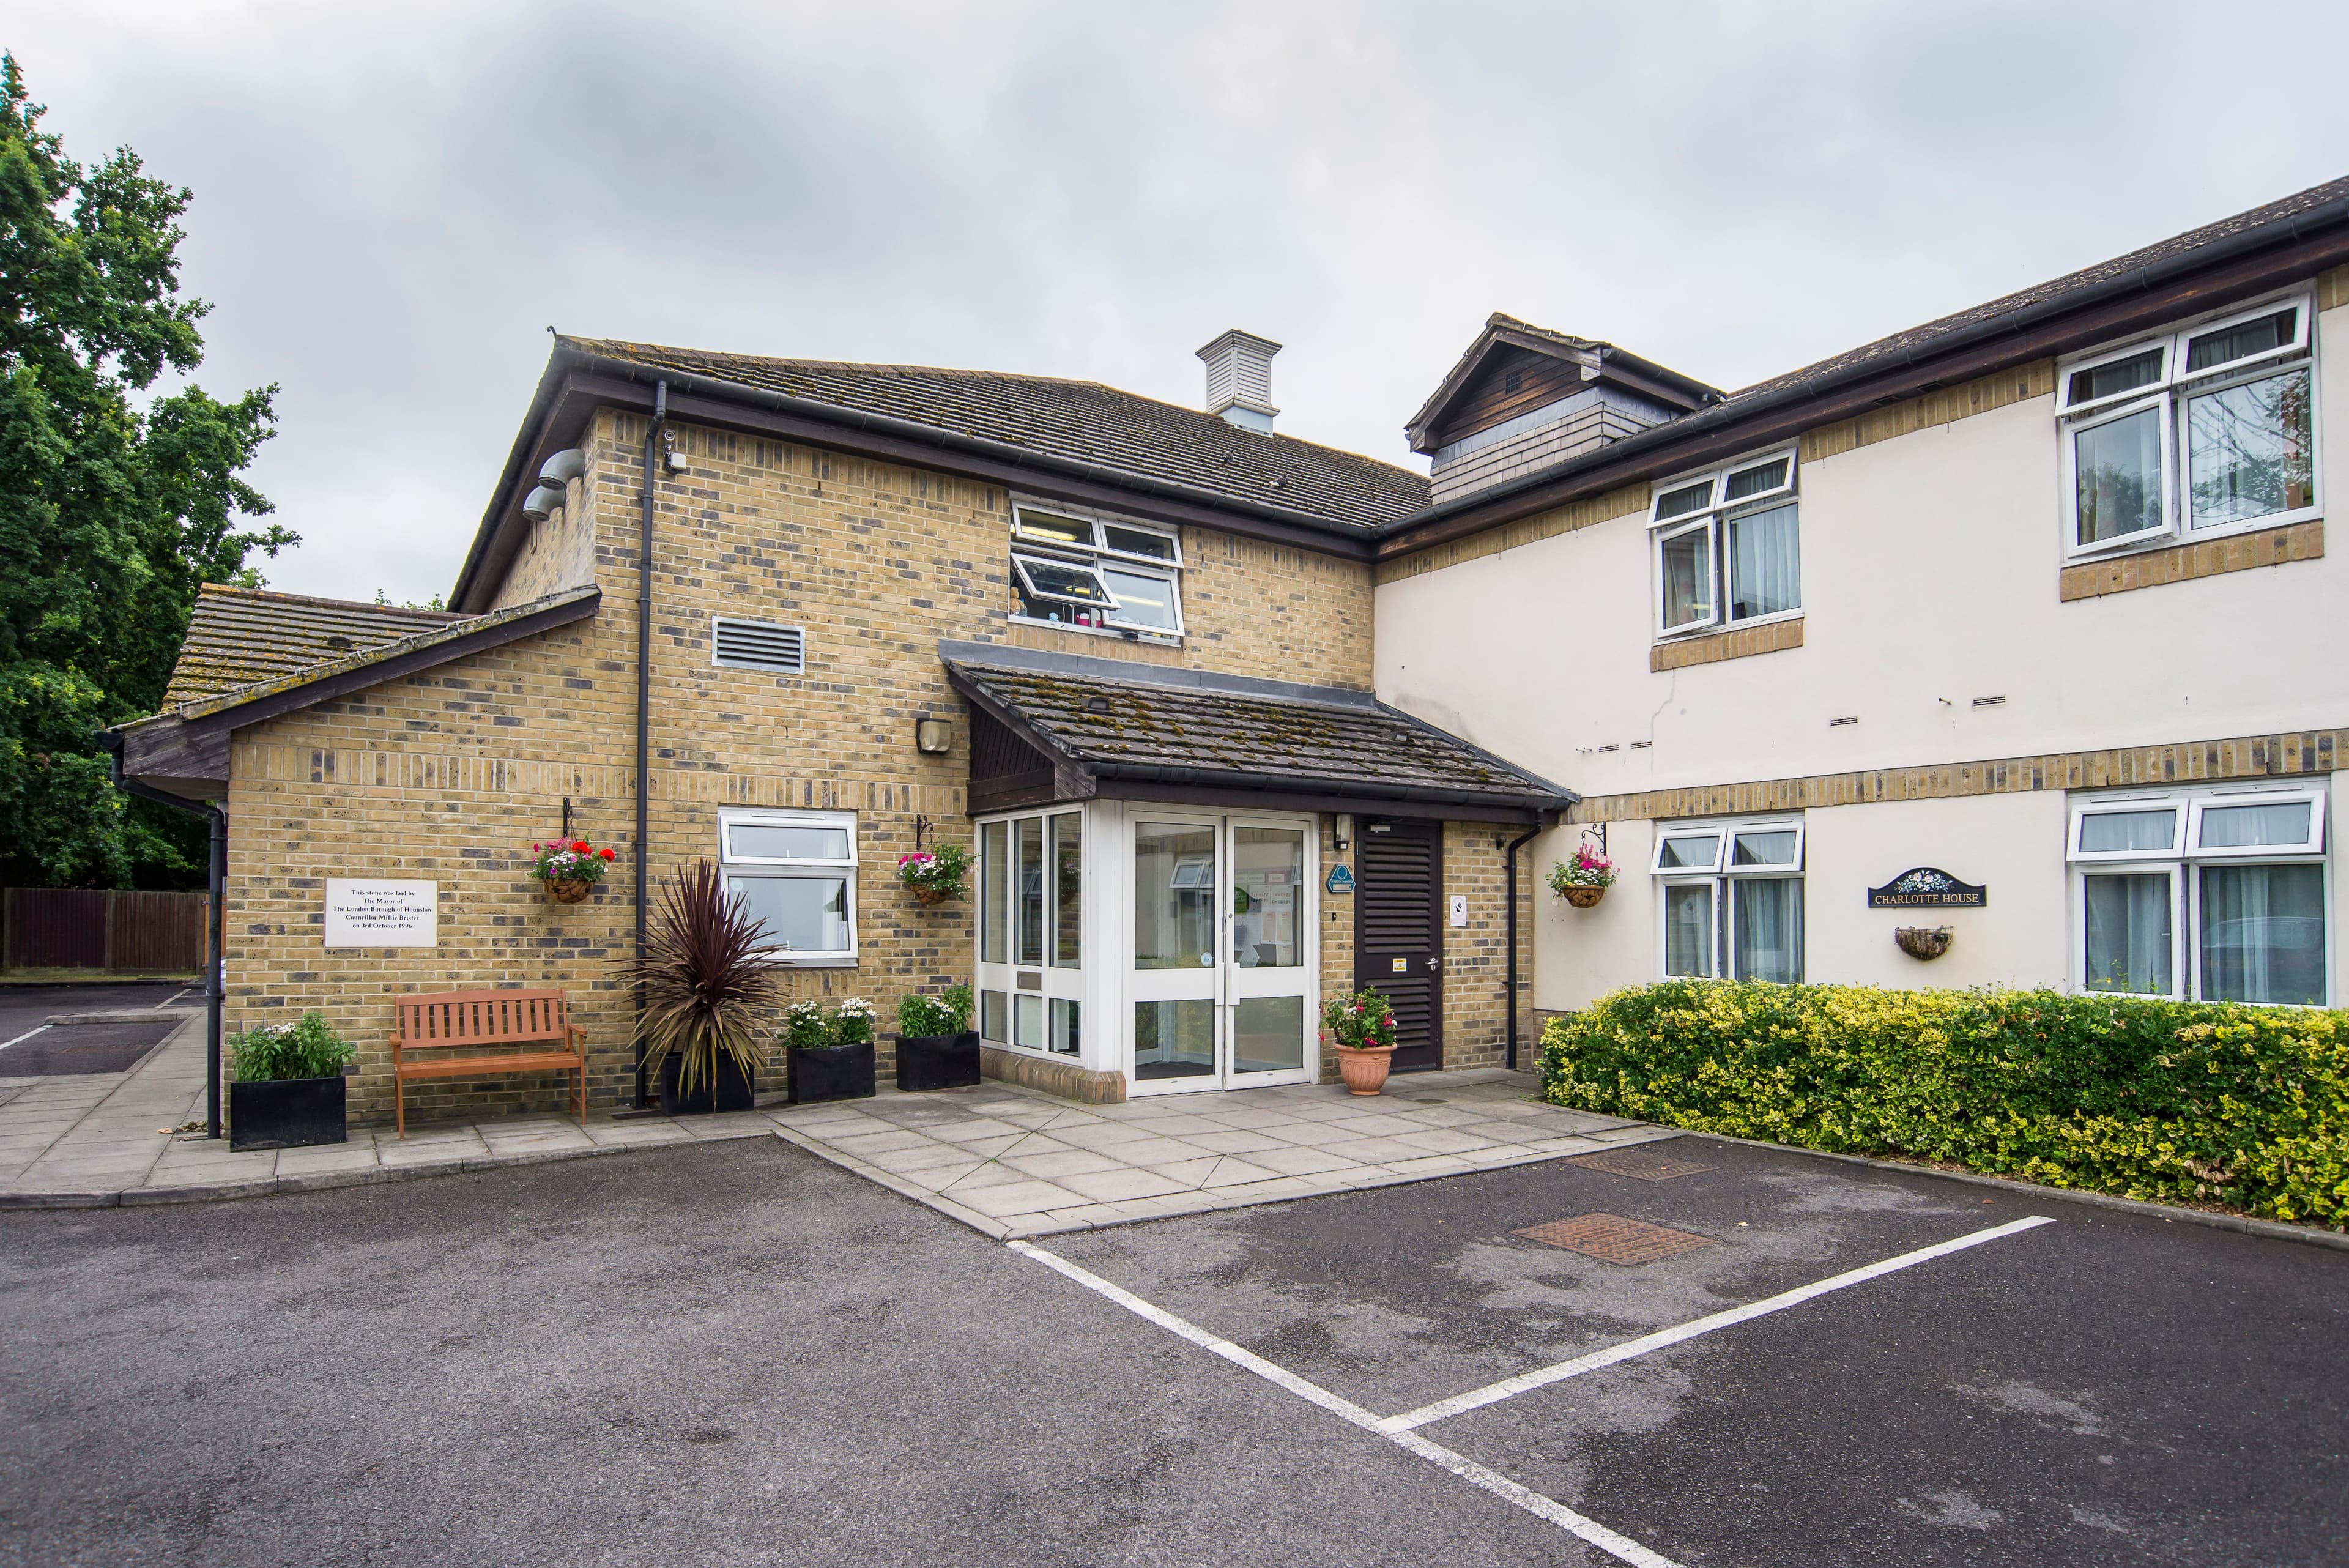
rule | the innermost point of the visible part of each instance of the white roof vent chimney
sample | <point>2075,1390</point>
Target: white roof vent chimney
<point>1239,380</point>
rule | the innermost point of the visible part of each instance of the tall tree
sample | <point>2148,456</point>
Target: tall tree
<point>116,502</point>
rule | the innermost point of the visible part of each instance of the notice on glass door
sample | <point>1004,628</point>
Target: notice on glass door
<point>368,914</point>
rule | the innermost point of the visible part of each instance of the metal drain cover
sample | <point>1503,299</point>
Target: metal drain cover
<point>1638,1162</point>
<point>1612,1239</point>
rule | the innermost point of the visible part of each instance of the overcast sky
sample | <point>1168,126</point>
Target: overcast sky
<point>393,203</point>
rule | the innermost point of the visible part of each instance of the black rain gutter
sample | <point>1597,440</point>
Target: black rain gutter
<point>216,869</point>
<point>1515,844</point>
<point>644,708</point>
<point>2007,323</point>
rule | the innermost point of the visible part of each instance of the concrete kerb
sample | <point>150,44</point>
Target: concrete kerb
<point>120,1015</point>
<point>2274,1229</point>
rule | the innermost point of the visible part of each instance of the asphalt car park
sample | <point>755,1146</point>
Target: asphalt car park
<point>737,1352</point>
<point>23,1007</point>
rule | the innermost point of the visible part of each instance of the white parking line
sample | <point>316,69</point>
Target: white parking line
<point>1590,1531</point>
<point>173,997</point>
<point>20,1039</point>
<point>1509,1388</point>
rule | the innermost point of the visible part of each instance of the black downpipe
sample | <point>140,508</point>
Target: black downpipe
<point>215,920</point>
<point>643,705</point>
<point>1515,844</point>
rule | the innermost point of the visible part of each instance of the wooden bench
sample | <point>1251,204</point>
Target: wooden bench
<point>440,1035</point>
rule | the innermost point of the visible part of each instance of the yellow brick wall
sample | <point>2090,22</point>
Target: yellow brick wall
<point>1476,956</point>
<point>450,775</point>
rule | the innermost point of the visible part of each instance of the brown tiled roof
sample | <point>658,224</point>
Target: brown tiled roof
<point>240,636</point>
<point>1340,743</point>
<point>1918,338</point>
<point>1082,420</point>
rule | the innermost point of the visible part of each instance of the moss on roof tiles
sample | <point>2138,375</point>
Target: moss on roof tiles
<point>240,636</point>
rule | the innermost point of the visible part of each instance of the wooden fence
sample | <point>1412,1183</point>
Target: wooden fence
<point>127,932</point>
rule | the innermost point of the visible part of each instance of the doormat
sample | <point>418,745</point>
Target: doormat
<point>1612,1239</point>
<point>1639,1163</point>
<point>84,1048</point>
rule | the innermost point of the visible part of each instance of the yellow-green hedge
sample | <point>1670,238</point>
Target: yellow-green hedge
<point>2247,1107</point>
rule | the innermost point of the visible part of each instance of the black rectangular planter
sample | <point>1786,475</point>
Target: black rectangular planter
<point>937,1061</point>
<point>731,1092</point>
<point>833,1072</point>
<point>285,1113</point>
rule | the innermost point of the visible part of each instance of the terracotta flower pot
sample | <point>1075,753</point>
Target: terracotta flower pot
<point>1583,898</point>
<point>1364,1068</point>
<point>569,889</point>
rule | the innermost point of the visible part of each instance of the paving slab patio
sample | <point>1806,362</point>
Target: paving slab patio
<point>1013,1162</point>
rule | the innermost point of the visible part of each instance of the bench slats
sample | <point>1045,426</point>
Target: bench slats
<point>441,1022</point>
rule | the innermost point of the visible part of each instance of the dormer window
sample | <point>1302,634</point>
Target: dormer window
<point>1095,574</point>
<point>1728,546</point>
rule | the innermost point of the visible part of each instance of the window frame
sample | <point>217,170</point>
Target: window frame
<point>2183,862</point>
<point>799,869</point>
<point>1097,556</point>
<point>1719,878</point>
<point>2174,391</point>
<point>1715,517</point>
<point>1031,986</point>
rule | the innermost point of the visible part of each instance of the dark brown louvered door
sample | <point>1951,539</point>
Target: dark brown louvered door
<point>1399,932</point>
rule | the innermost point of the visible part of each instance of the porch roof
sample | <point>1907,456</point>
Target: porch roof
<point>1056,727</point>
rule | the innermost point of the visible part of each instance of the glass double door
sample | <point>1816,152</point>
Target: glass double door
<point>1225,951</point>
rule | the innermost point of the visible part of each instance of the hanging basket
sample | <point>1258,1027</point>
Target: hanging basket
<point>1923,942</point>
<point>1581,897</point>
<point>570,890</point>
<point>925,894</point>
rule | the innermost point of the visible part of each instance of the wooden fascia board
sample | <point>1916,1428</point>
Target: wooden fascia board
<point>1150,500</point>
<point>360,678</point>
<point>1072,777</point>
<point>1245,797</point>
<point>176,757</point>
<point>1421,430</point>
<point>1668,452</point>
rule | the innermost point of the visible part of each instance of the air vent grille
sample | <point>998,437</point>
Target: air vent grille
<point>758,645</point>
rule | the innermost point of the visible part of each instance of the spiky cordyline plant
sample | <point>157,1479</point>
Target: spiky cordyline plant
<point>704,979</point>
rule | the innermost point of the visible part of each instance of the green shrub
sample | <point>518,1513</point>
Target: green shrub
<point>2175,1101</point>
<point>945,1014</point>
<point>309,1049</point>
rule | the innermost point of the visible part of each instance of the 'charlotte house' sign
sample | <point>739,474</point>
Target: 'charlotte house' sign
<point>1926,888</point>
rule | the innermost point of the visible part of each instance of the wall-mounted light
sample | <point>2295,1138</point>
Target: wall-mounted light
<point>932,737</point>
<point>1342,829</point>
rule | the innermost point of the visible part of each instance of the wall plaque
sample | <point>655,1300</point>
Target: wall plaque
<point>1928,887</point>
<point>1342,878</point>
<point>382,914</point>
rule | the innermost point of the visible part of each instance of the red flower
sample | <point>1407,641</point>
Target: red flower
<point>607,854</point>
<point>579,847</point>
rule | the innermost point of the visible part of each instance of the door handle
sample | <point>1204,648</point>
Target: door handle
<point>1435,966</point>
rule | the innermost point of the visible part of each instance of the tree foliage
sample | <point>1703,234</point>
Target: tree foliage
<point>117,500</point>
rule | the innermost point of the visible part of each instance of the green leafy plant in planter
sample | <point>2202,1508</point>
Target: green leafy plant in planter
<point>706,985</point>
<point>1361,1025</point>
<point>287,1091</point>
<point>937,1047</point>
<point>830,1053</point>
<point>271,1053</point>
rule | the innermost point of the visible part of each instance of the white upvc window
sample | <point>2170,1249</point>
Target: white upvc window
<point>2205,428</point>
<point>2220,894</point>
<point>1103,574</point>
<point>1727,544</point>
<point>1031,897</point>
<point>795,871</point>
<point>1729,899</point>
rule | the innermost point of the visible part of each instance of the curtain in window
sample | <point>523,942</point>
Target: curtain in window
<point>2263,933</point>
<point>2119,466</point>
<point>1765,566</point>
<point>1687,579</point>
<point>1767,928</point>
<point>1688,929</point>
<point>2128,934</point>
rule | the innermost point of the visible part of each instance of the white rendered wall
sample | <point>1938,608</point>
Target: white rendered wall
<point>1930,566</point>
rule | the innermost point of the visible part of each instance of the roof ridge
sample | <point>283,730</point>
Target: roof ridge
<point>241,591</point>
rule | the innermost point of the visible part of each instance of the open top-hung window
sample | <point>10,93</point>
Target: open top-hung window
<point>1728,545</point>
<point>1728,897</point>
<point>2206,427</point>
<point>2220,894</point>
<point>795,872</point>
<point>1073,570</point>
